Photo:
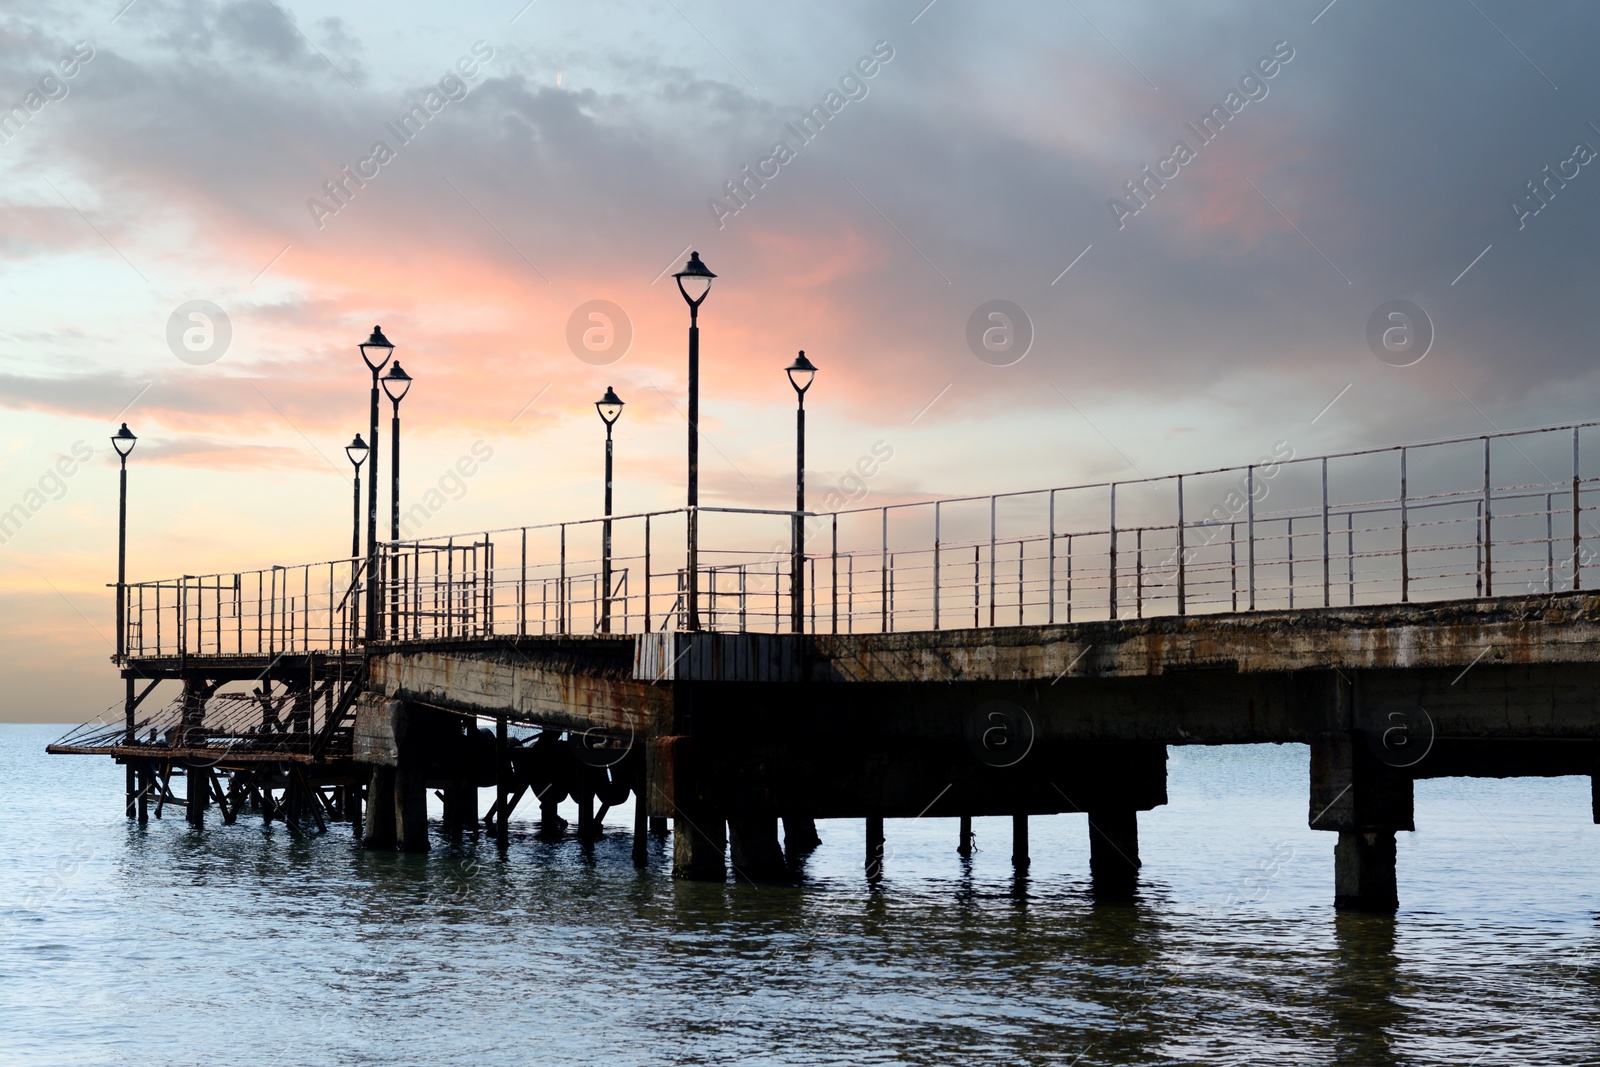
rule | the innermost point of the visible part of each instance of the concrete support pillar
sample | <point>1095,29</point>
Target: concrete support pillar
<point>641,830</point>
<point>460,811</point>
<point>1114,853</point>
<point>411,809</point>
<point>658,827</point>
<point>197,785</point>
<point>800,834</point>
<point>588,829</point>
<point>1019,842</point>
<point>753,841</point>
<point>964,844</point>
<point>378,830</point>
<point>1365,800</point>
<point>875,846</point>
<point>352,807</point>
<point>1364,871</point>
<point>699,845</point>
<point>502,781</point>
<point>552,827</point>
<point>146,782</point>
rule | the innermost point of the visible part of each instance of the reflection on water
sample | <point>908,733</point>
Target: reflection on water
<point>163,945</point>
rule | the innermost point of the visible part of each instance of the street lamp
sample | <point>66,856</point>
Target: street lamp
<point>801,372</point>
<point>694,282</point>
<point>357,451</point>
<point>610,409</point>
<point>395,384</point>
<point>123,441</point>
<point>375,352</point>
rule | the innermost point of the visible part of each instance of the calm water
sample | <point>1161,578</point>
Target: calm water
<point>242,945</point>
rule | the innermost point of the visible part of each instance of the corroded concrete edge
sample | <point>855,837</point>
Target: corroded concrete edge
<point>1546,629</point>
<point>580,683</point>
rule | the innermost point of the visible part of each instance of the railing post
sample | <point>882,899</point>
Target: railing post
<point>1069,578</point>
<point>647,574</point>
<point>1477,533</point>
<point>1549,543</point>
<point>1233,565</point>
<point>1050,556</point>
<point>991,559</point>
<point>1250,532</point>
<point>936,564</point>
<point>1290,545</point>
<point>522,588</point>
<point>1021,586</point>
<point>883,572</point>
<point>1405,534</point>
<point>1325,532</point>
<point>1577,516</point>
<point>1138,572</point>
<point>1488,524</point>
<point>1111,585</point>
<point>833,585</point>
<point>1350,553</point>
<point>1182,562</point>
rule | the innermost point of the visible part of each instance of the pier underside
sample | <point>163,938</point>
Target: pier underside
<point>733,735</point>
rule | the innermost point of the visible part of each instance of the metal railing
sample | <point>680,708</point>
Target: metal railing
<point>1465,517</point>
<point>308,607</point>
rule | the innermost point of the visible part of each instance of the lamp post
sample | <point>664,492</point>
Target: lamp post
<point>123,441</point>
<point>375,352</point>
<point>801,372</point>
<point>395,385</point>
<point>357,451</point>
<point>694,282</point>
<point>610,409</point>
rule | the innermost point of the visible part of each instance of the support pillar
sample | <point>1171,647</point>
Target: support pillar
<point>502,779</point>
<point>1364,871</point>
<point>658,827</point>
<point>964,845</point>
<point>1019,842</point>
<point>411,809</point>
<point>552,827</point>
<point>753,841</point>
<point>641,824</point>
<point>1365,800</point>
<point>875,846</point>
<point>197,791</point>
<point>460,811</point>
<point>146,781</point>
<point>587,830</point>
<point>379,828</point>
<point>1114,853</point>
<point>699,846</point>
<point>352,807</point>
<point>799,834</point>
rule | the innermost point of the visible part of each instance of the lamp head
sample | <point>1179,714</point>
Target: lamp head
<point>609,407</point>
<point>377,350</point>
<point>396,383</point>
<point>123,441</point>
<point>357,451</point>
<point>801,372</point>
<point>694,280</point>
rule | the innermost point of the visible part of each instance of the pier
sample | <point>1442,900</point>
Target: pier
<point>1408,612</point>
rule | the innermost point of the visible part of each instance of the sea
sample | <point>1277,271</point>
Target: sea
<point>165,945</point>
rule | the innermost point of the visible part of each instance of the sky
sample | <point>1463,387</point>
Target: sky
<point>250,162</point>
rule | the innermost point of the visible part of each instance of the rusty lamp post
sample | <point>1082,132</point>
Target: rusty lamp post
<point>694,282</point>
<point>610,409</point>
<point>801,373</point>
